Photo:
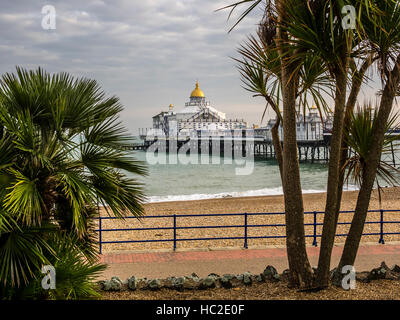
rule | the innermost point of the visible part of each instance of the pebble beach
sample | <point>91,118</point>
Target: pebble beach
<point>230,205</point>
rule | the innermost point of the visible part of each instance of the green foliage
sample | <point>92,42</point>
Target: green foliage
<point>359,138</point>
<point>75,274</point>
<point>260,69</point>
<point>252,4</point>
<point>61,156</point>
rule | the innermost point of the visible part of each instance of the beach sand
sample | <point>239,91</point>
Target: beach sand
<point>312,202</point>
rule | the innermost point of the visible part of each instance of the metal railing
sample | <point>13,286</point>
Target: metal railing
<point>245,226</point>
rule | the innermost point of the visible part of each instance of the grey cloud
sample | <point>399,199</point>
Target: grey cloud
<point>149,53</point>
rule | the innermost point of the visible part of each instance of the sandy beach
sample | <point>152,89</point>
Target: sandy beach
<point>312,202</point>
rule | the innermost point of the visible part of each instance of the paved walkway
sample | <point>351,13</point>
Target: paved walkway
<point>165,264</point>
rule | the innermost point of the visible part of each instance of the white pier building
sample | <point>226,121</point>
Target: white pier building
<point>197,115</point>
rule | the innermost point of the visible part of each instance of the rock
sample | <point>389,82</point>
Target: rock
<point>102,284</point>
<point>270,273</point>
<point>384,272</point>
<point>132,283</point>
<point>390,275</point>
<point>247,278</point>
<point>259,278</point>
<point>384,266</point>
<point>169,283</point>
<point>178,283</point>
<point>396,268</point>
<point>208,283</point>
<point>192,282</point>
<point>154,284</point>
<point>377,273</point>
<point>363,276</point>
<point>237,281</point>
<point>106,285</point>
<point>225,280</point>
<point>285,275</point>
<point>112,285</point>
<point>116,279</point>
<point>142,284</point>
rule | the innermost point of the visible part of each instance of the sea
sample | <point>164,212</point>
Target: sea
<point>210,177</point>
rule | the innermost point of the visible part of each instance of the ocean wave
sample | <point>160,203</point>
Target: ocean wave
<point>233,194</point>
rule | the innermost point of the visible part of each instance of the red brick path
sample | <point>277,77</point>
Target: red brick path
<point>165,264</point>
<point>234,254</point>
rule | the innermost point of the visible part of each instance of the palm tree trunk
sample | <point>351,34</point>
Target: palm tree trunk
<point>300,269</point>
<point>357,81</point>
<point>322,278</point>
<point>369,173</point>
<point>277,144</point>
<point>330,218</point>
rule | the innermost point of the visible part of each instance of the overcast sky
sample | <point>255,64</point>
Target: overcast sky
<point>147,52</point>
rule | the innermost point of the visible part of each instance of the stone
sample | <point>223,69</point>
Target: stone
<point>168,283</point>
<point>192,282</point>
<point>285,275</point>
<point>237,280</point>
<point>112,285</point>
<point>247,278</point>
<point>116,279</point>
<point>142,284</point>
<point>178,283</point>
<point>390,275</point>
<point>208,283</point>
<point>132,283</point>
<point>259,278</point>
<point>384,266</point>
<point>225,280</point>
<point>396,268</point>
<point>270,273</point>
<point>377,273</point>
<point>363,276</point>
<point>154,284</point>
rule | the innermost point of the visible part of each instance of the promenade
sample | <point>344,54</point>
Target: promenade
<point>162,264</point>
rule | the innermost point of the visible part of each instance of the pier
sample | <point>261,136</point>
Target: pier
<point>256,142</point>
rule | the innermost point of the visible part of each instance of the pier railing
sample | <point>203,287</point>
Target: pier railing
<point>173,221</point>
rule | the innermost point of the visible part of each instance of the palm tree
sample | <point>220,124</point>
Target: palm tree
<point>313,29</point>
<point>299,266</point>
<point>358,137</point>
<point>383,30</point>
<point>62,154</point>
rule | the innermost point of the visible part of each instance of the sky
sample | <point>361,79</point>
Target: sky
<point>148,53</point>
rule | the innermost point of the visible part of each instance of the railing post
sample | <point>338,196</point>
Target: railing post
<point>100,249</point>
<point>174,232</point>
<point>381,240</point>
<point>245,230</point>
<point>315,243</point>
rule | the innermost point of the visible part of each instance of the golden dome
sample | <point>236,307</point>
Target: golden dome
<point>197,93</point>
